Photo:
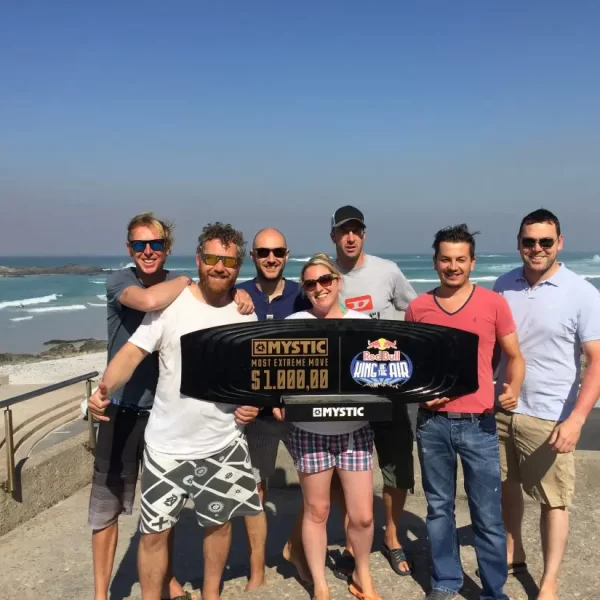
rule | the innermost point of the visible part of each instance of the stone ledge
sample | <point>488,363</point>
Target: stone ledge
<point>45,479</point>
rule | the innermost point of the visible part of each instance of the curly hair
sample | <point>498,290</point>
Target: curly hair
<point>147,219</point>
<point>226,234</point>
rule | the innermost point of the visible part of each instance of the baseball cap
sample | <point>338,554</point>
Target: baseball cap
<point>346,213</point>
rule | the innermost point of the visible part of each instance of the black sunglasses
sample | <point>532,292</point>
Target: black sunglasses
<point>325,280</point>
<point>140,245</point>
<point>546,243</point>
<point>265,252</point>
<point>213,259</point>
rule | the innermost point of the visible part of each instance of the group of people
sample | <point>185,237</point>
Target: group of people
<point>516,432</point>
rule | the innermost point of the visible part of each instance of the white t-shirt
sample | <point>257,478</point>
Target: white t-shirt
<point>331,428</point>
<point>180,426</point>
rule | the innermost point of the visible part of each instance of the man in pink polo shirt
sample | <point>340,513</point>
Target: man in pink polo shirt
<point>465,426</point>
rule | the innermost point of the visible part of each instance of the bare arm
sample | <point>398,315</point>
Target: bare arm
<point>566,435</point>
<point>119,371</point>
<point>155,297</point>
<point>515,371</point>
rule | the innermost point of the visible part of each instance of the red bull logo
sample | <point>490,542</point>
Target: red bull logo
<point>381,364</point>
<point>381,344</point>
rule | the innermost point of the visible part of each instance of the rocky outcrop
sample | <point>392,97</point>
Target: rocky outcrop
<point>57,349</point>
<point>68,269</point>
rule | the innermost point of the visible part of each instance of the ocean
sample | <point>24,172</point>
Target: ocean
<point>38,308</point>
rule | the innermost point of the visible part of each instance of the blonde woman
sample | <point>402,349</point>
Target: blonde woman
<point>320,448</point>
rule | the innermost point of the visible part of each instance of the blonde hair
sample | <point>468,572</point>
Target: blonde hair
<point>147,219</point>
<point>322,260</point>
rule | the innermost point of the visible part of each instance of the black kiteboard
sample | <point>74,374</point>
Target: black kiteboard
<point>329,364</point>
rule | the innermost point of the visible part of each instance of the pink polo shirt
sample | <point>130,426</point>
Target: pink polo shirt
<point>485,313</point>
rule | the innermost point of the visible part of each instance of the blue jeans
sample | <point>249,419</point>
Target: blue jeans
<point>440,440</point>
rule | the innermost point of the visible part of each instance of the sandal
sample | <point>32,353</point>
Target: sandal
<point>344,566</point>
<point>395,556</point>
<point>356,590</point>
<point>186,596</point>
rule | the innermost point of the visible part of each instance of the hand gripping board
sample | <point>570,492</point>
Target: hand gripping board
<point>259,363</point>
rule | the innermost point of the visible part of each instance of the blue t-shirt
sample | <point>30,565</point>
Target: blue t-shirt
<point>291,300</point>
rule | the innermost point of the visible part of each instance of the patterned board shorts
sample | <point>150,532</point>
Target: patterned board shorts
<point>222,487</point>
<point>314,452</point>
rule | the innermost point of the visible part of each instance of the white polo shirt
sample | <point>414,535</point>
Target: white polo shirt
<point>553,319</point>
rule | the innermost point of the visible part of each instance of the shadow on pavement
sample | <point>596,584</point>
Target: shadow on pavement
<point>188,560</point>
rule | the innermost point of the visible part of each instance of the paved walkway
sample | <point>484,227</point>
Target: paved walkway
<point>50,557</point>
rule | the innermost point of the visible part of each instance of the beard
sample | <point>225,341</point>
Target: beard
<point>216,285</point>
<point>269,275</point>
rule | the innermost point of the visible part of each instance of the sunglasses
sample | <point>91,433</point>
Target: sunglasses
<point>211,260</point>
<point>325,280</point>
<point>265,252</point>
<point>140,245</point>
<point>546,243</point>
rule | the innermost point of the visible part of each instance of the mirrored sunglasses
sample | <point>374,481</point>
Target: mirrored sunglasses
<point>211,260</point>
<point>140,245</point>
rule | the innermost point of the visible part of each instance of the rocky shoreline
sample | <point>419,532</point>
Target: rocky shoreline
<point>68,269</point>
<point>56,349</point>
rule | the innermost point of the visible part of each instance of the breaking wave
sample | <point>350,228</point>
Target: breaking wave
<point>30,301</point>
<point>56,308</point>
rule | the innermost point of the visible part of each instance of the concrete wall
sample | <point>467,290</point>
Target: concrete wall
<point>46,479</point>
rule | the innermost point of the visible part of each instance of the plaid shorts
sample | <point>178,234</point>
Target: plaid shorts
<point>315,452</point>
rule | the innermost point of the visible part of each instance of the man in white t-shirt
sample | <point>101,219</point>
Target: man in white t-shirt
<point>377,287</point>
<point>193,448</point>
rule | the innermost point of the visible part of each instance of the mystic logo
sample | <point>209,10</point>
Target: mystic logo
<point>341,412</point>
<point>290,347</point>
<point>381,365</point>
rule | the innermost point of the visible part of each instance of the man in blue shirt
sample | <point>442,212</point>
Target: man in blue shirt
<point>274,297</point>
<point>557,314</point>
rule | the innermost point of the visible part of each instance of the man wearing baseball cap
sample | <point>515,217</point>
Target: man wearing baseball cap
<point>377,287</point>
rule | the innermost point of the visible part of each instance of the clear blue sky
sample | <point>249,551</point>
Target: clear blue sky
<point>423,114</point>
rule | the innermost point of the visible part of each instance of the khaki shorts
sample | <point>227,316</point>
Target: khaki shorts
<point>526,457</point>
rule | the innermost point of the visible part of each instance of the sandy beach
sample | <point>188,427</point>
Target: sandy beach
<point>55,370</point>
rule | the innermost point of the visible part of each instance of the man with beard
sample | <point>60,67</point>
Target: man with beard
<point>377,287</point>
<point>191,446</point>
<point>274,297</point>
<point>465,426</point>
<point>558,315</point>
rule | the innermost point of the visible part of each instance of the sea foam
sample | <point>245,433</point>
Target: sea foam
<point>30,301</point>
<point>56,308</point>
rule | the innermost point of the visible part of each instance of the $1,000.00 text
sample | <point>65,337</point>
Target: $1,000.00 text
<point>290,379</point>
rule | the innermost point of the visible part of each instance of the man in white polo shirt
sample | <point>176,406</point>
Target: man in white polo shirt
<point>557,314</point>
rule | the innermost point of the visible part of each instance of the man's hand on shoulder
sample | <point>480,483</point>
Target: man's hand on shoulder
<point>244,301</point>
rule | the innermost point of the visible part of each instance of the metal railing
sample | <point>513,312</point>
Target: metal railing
<point>8,422</point>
